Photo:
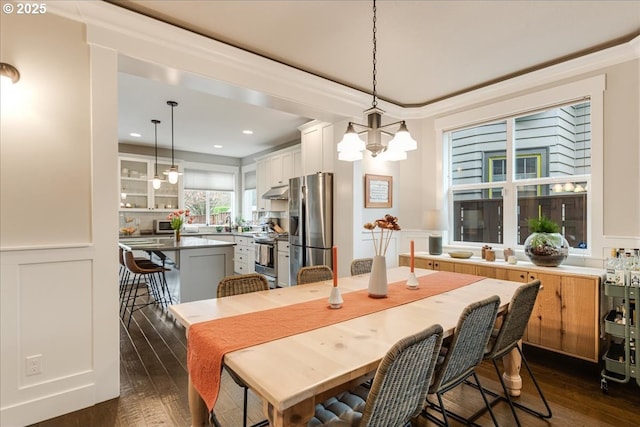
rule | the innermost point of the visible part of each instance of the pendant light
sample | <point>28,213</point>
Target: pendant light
<point>172,173</point>
<point>156,182</point>
<point>351,147</point>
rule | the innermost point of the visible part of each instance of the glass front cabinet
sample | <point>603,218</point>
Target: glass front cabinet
<point>136,189</point>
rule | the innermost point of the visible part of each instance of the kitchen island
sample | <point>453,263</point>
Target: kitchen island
<point>201,263</point>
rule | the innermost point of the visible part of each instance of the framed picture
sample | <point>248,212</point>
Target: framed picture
<point>378,191</point>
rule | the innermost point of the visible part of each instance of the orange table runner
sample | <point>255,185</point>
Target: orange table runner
<point>209,341</point>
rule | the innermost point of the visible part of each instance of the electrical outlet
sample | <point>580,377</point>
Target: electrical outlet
<point>34,365</point>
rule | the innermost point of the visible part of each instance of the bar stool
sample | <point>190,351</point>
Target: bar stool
<point>155,281</point>
<point>125,274</point>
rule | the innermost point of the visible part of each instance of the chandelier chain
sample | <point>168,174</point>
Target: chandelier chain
<point>375,101</point>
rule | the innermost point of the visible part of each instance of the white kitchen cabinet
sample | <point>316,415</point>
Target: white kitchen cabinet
<point>318,148</point>
<point>137,192</point>
<point>275,170</point>
<point>283,264</point>
<point>244,256</point>
<point>263,175</point>
<point>283,167</point>
<point>297,164</point>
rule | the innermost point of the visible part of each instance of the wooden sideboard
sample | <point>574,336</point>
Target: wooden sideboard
<point>566,317</point>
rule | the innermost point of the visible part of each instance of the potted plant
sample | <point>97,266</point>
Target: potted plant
<point>545,246</point>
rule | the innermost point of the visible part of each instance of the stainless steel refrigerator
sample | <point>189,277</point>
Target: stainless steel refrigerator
<point>310,222</point>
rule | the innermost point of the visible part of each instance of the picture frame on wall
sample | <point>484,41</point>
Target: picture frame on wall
<point>378,191</point>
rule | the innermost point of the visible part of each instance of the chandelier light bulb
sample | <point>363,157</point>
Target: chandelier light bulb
<point>351,141</point>
<point>350,156</point>
<point>403,140</point>
<point>156,182</point>
<point>392,155</point>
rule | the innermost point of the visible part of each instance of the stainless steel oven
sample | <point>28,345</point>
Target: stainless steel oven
<point>267,258</point>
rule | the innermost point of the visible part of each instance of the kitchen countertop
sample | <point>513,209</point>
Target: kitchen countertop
<point>169,243</point>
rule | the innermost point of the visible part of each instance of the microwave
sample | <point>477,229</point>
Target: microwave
<point>162,226</point>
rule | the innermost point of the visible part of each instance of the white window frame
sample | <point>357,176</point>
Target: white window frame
<point>219,168</point>
<point>590,88</point>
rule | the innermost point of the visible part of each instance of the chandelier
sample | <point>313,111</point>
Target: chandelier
<point>352,146</point>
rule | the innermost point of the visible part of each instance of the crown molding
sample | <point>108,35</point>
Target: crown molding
<point>261,81</point>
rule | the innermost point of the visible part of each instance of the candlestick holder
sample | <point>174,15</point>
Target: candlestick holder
<point>412,281</point>
<point>335,299</point>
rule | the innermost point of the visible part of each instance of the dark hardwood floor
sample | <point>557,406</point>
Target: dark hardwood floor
<point>153,387</point>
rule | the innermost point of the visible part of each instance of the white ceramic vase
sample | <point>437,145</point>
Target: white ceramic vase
<point>378,277</point>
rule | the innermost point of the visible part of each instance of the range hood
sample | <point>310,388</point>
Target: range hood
<point>277,193</point>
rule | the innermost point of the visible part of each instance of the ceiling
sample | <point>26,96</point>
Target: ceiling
<point>426,51</point>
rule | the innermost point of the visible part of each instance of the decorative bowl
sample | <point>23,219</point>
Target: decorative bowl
<point>461,254</point>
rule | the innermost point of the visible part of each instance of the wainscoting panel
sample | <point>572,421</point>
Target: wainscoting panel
<point>47,332</point>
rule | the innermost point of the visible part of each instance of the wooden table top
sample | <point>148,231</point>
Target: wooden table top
<point>304,367</point>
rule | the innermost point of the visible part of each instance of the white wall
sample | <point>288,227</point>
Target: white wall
<point>59,270</point>
<point>58,266</point>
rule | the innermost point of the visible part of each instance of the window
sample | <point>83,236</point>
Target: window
<point>250,197</point>
<point>506,171</point>
<point>209,196</point>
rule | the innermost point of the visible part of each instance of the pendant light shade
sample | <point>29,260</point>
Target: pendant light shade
<point>156,182</point>
<point>172,173</point>
<point>351,146</point>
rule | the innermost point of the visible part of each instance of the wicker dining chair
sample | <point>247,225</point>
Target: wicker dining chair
<point>236,285</point>
<point>461,356</point>
<point>242,284</point>
<point>398,391</point>
<point>314,273</point>
<point>361,266</point>
<point>507,338</point>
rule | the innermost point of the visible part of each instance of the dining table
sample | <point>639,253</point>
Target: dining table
<point>292,373</point>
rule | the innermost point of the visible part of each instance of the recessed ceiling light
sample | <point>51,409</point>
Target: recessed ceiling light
<point>135,135</point>
<point>247,132</point>
<point>217,146</point>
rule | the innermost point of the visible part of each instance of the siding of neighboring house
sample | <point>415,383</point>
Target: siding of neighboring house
<point>553,132</point>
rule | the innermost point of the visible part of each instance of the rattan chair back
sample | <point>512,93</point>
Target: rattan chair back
<point>401,382</point>
<point>361,266</point>
<point>314,273</point>
<point>398,391</point>
<point>515,322</point>
<point>468,344</point>
<point>242,284</point>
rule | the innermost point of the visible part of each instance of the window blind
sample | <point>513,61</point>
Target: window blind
<point>208,180</point>
<point>250,180</point>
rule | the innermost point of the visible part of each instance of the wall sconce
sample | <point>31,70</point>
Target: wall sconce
<point>9,73</point>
